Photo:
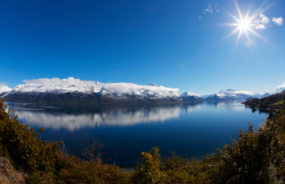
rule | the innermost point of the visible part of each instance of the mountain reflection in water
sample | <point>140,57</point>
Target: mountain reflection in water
<point>115,117</point>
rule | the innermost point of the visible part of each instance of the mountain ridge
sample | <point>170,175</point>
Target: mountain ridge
<point>231,94</point>
<point>73,90</point>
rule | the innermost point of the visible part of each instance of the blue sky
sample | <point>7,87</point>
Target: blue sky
<point>179,44</point>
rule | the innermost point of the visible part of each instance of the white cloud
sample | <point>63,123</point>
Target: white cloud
<point>4,88</point>
<point>264,19</point>
<point>189,93</point>
<point>3,84</point>
<point>268,86</point>
<point>200,17</point>
<point>260,26</point>
<point>278,21</point>
<point>58,81</point>
<point>209,9</point>
<point>282,85</point>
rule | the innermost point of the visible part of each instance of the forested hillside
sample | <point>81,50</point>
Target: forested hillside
<point>272,100</point>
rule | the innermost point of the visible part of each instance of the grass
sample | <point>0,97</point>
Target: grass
<point>278,103</point>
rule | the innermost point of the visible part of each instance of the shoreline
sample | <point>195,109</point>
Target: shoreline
<point>263,124</point>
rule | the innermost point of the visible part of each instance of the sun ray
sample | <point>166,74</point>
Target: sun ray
<point>257,34</point>
<point>233,17</point>
<point>239,12</point>
<point>238,36</point>
<point>230,34</point>
<point>246,33</point>
<point>247,14</point>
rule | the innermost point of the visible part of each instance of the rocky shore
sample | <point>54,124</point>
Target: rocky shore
<point>8,175</point>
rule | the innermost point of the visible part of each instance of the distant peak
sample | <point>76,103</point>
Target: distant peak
<point>152,84</point>
<point>228,90</point>
<point>188,93</point>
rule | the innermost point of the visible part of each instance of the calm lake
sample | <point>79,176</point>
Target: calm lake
<point>193,130</point>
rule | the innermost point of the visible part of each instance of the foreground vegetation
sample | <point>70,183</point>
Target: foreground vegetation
<point>257,157</point>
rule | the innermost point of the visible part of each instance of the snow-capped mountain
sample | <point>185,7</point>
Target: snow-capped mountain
<point>265,95</point>
<point>73,90</point>
<point>189,96</point>
<point>205,96</point>
<point>94,91</point>
<point>231,94</point>
<point>280,88</point>
<point>4,89</point>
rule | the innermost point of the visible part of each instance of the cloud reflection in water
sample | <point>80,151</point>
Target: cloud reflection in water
<point>117,117</point>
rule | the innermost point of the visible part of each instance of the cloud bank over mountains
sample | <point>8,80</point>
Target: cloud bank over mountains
<point>4,88</point>
<point>120,91</point>
<point>76,85</point>
<point>60,82</point>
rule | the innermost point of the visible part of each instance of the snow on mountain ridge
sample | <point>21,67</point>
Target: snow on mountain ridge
<point>56,85</point>
<point>120,90</point>
<point>280,88</point>
<point>188,93</point>
<point>235,92</point>
<point>232,94</point>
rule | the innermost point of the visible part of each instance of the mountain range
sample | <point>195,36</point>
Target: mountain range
<point>231,94</point>
<point>72,90</point>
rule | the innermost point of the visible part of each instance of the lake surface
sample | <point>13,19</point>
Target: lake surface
<point>193,130</point>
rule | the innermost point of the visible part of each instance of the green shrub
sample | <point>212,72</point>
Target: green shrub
<point>34,178</point>
<point>45,161</point>
<point>23,146</point>
<point>150,171</point>
<point>251,158</point>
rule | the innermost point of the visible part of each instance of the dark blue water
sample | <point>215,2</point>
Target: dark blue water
<point>192,130</point>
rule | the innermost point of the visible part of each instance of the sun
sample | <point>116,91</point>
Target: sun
<point>243,24</point>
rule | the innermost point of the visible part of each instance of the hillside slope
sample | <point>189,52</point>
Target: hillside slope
<point>266,101</point>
